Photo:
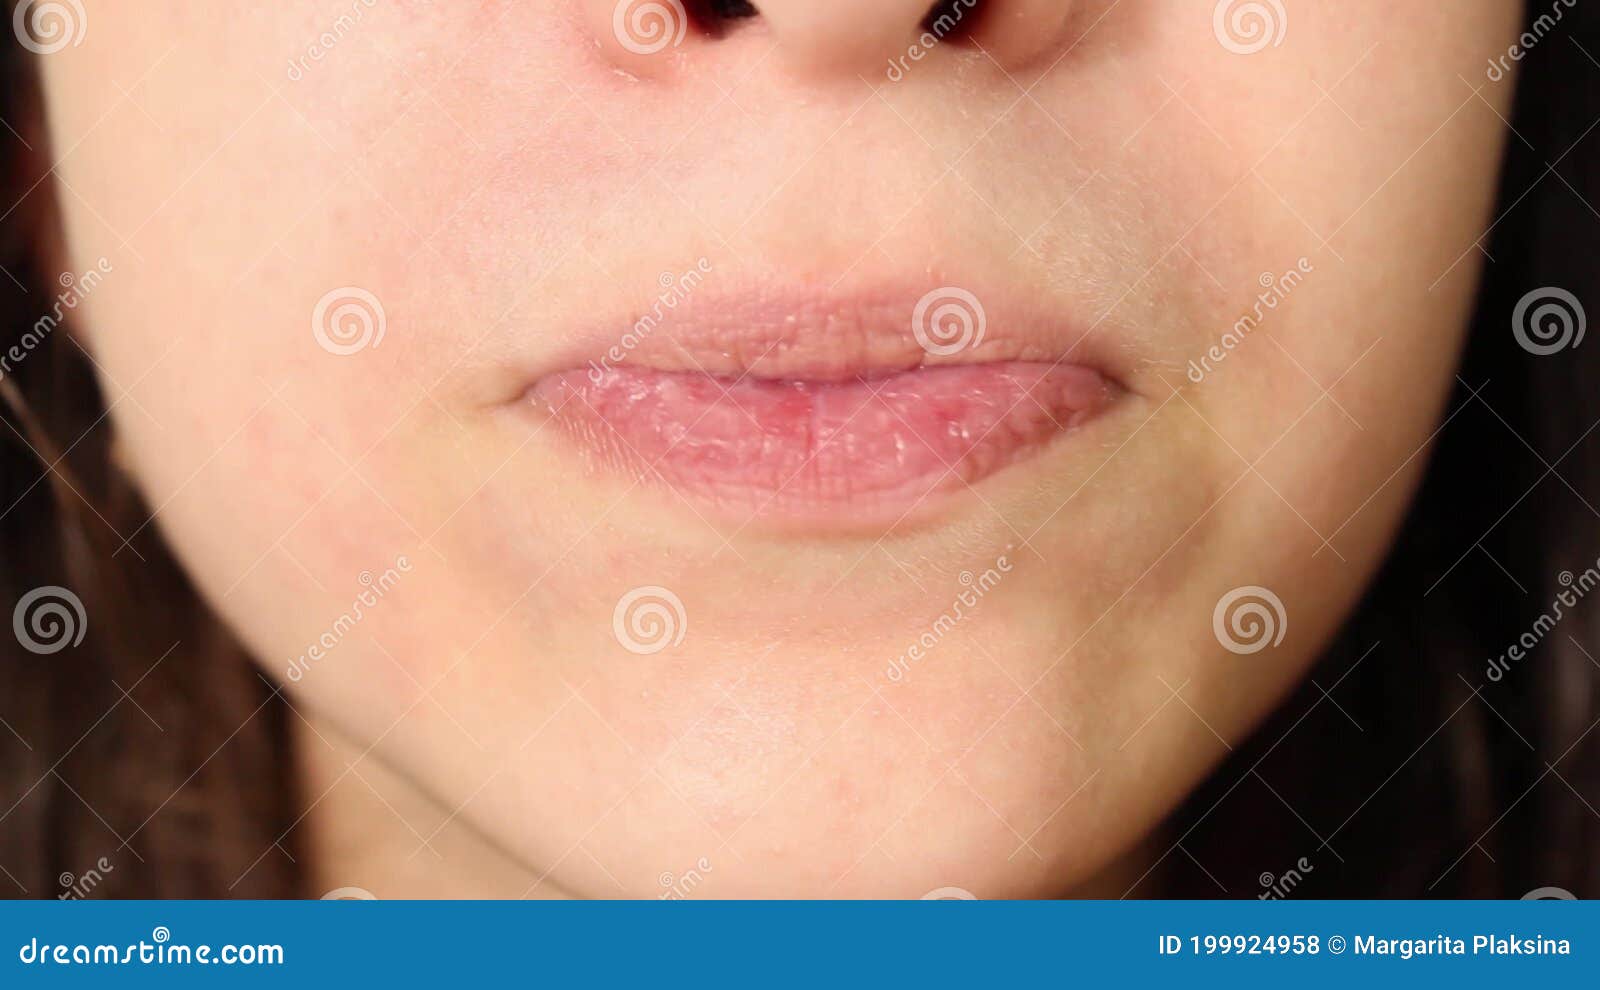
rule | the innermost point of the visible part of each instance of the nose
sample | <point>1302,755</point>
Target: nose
<point>849,37</point>
<point>821,38</point>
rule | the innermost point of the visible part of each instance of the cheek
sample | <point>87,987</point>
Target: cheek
<point>302,197</point>
<point>1334,247</point>
<point>396,174</point>
<point>288,155</point>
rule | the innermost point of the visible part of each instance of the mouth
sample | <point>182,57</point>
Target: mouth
<point>800,408</point>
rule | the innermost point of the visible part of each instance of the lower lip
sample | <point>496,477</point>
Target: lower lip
<point>780,446</point>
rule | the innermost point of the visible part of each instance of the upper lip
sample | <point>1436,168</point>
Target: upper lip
<point>800,332</point>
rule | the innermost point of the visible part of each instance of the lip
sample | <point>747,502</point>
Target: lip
<point>809,404</point>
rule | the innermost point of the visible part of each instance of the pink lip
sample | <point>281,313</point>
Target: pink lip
<point>808,407</point>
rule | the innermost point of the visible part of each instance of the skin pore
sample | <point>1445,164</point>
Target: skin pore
<point>350,245</point>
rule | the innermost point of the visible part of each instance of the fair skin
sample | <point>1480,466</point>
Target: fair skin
<point>509,181</point>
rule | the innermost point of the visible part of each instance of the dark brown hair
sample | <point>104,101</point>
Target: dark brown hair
<point>153,760</point>
<point>1404,766</point>
<point>150,759</point>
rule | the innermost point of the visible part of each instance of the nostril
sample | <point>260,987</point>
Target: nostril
<point>952,20</point>
<point>714,17</point>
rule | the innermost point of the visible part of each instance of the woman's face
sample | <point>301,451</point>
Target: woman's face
<point>835,458</point>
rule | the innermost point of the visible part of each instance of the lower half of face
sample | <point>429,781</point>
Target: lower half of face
<point>861,469</point>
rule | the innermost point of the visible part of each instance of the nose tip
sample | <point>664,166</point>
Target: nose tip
<point>820,38</point>
<point>643,37</point>
<point>1015,32</point>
